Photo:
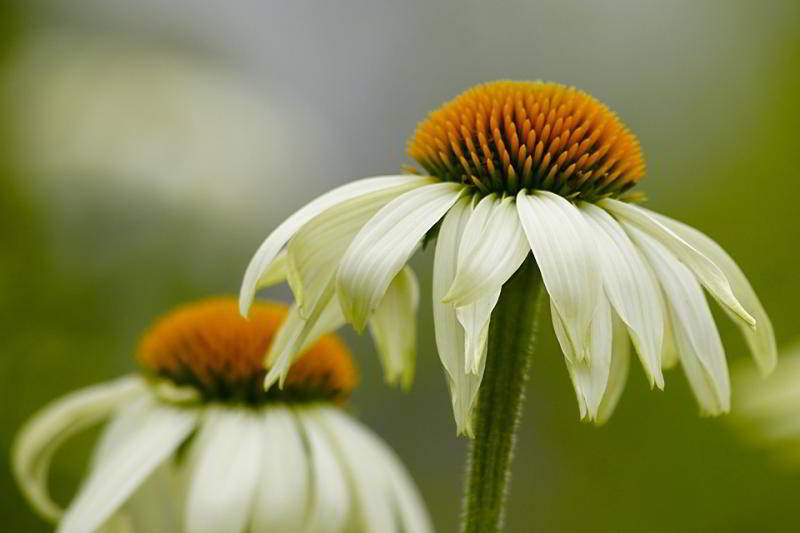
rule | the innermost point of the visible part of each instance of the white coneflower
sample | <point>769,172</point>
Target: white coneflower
<point>514,168</point>
<point>767,411</point>
<point>198,445</point>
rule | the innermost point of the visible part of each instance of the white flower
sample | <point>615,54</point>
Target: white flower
<point>767,411</point>
<point>199,446</point>
<point>514,168</point>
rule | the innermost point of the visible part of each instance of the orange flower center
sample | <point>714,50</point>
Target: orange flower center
<point>510,135</point>
<point>208,345</point>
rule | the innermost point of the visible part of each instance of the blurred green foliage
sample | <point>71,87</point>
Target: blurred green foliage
<point>78,284</point>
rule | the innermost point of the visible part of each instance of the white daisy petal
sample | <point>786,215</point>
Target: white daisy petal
<point>565,252</point>
<point>394,328</point>
<point>696,336</point>
<point>297,333</point>
<point>450,341</point>
<point>589,376</point>
<point>282,497</point>
<point>669,350</point>
<point>112,481</point>
<point>384,245</point>
<point>493,248</point>
<point>631,289</point>
<point>387,469</point>
<point>226,471</point>
<point>273,244</point>
<point>618,374</point>
<point>761,340</point>
<point>155,505</point>
<point>371,491</point>
<point>43,434</point>
<point>474,318</point>
<point>316,249</point>
<point>331,499</point>
<point>275,273</point>
<point>709,274</point>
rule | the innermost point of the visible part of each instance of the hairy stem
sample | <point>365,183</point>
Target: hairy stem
<point>511,344</point>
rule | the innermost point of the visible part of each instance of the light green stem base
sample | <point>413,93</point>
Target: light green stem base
<point>511,344</point>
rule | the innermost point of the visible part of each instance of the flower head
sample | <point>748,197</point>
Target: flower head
<point>516,168</point>
<point>506,136</point>
<point>198,445</point>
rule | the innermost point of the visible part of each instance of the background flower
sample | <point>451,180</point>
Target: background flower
<point>197,444</point>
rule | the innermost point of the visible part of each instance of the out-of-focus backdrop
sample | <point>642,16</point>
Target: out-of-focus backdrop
<point>146,147</point>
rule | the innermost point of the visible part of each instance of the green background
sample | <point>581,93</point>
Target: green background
<point>711,89</point>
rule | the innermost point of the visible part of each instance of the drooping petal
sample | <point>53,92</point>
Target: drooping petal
<point>618,374</point>
<point>384,245</point>
<point>226,471</point>
<point>450,341</point>
<point>331,500</point>
<point>372,497</point>
<point>283,494</point>
<point>493,248</point>
<point>154,506</point>
<point>474,319</point>
<point>394,482</point>
<point>297,333</point>
<point>590,375</point>
<point>565,252</point>
<point>316,249</point>
<point>275,273</point>
<point>696,336</point>
<point>761,340</point>
<point>394,328</point>
<point>709,274</point>
<point>161,430</point>
<point>631,288</point>
<point>48,429</point>
<point>273,244</point>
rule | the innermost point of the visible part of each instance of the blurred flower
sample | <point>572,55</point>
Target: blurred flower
<point>144,122</point>
<point>767,411</point>
<point>514,168</point>
<point>199,445</point>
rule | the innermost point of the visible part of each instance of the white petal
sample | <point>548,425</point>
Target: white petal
<point>371,492</point>
<point>631,289</point>
<point>275,273</point>
<point>273,244</point>
<point>493,248</point>
<point>384,245</point>
<point>618,374</point>
<point>565,252</point>
<point>386,474</point>
<point>316,249</point>
<point>589,376</point>
<point>474,318</point>
<point>450,341</point>
<point>297,333</point>
<point>704,268</point>
<point>49,428</point>
<point>155,506</point>
<point>761,340</point>
<point>331,499</point>
<point>161,430</point>
<point>394,328</point>
<point>226,472</point>
<point>696,336</point>
<point>283,495</point>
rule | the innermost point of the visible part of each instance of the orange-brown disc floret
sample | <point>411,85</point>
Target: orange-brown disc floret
<point>510,135</point>
<point>210,346</point>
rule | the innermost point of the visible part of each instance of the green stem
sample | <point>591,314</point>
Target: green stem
<point>511,344</point>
